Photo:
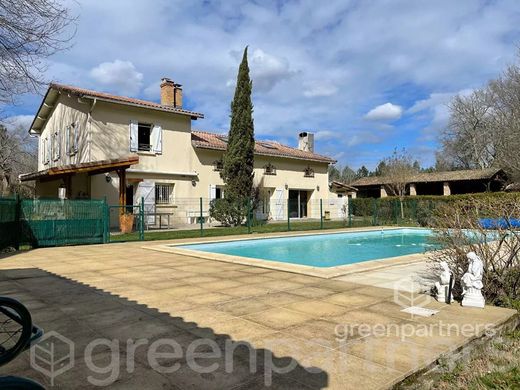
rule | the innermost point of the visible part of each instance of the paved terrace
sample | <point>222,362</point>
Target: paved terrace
<point>122,291</point>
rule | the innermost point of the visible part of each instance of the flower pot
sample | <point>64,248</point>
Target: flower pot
<point>126,222</point>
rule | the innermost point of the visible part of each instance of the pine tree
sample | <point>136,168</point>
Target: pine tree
<point>238,159</point>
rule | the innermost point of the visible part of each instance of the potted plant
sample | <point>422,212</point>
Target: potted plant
<point>126,222</point>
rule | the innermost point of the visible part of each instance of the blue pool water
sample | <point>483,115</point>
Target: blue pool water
<point>327,250</point>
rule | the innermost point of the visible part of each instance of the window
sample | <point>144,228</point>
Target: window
<point>218,165</point>
<point>163,193</point>
<point>219,193</point>
<point>143,137</point>
<point>270,169</point>
<point>308,172</point>
<point>72,139</point>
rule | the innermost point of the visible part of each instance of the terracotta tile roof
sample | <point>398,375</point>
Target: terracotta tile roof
<point>123,99</point>
<point>469,174</point>
<point>206,140</point>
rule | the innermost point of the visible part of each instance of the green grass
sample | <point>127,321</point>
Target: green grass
<point>495,365</point>
<point>227,231</point>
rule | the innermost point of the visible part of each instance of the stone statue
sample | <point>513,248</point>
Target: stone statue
<point>472,282</point>
<point>443,286</point>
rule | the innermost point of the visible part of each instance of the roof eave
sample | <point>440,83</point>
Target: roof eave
<point>329,161</point>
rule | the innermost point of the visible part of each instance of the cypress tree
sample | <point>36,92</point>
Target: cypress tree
<point>238,159</point>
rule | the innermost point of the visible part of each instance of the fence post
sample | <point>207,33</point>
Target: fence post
<point>18,221</point>
<point>141,219</point>
<point>321,213</point>
<point>374,211</point>
<point>201,218</point>
<point>249,211</point>
<point>349,210</point>
<point>288,216</point>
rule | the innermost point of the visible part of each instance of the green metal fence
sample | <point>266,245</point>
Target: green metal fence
<point>9,225</point>
<point>51,222</point>
<point>54,222</point>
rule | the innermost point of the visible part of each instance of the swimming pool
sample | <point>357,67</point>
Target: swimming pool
<point>326,250</point>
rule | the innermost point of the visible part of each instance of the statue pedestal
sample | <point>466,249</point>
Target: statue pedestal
<point>473,299</point>
<point>442,293</point>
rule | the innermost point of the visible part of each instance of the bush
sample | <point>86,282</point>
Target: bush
<point>499,248</point>
<point>228,212</point>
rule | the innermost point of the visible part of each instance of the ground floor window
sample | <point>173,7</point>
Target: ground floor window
<point>163,193</point>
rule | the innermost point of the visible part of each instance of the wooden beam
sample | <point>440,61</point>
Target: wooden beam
<point>122,189</point>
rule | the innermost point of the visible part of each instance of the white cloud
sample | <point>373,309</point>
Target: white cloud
<point>268,70</point>
<point>320,90</point>
<point>385,112</point>
<point>326,135</point>
<point>122,76</point>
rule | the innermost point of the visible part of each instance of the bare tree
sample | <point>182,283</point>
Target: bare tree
<point>484,127</point>
<point>18,154</point>
<point>398,171</point>
<point>30,32</point>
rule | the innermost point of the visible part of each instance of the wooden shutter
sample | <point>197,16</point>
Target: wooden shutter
<point>133,135</point>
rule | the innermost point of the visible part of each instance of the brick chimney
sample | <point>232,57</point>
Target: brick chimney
<point>171,93</point>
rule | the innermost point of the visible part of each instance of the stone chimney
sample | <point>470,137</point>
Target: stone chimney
<point>306,141</point>
<point>171,93</point>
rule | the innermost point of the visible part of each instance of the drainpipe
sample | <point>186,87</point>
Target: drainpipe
<point>89,135</point>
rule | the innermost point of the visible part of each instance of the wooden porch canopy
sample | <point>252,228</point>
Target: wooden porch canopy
<point>119,165</point>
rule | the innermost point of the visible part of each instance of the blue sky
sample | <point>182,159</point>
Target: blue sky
<point>366,76</point>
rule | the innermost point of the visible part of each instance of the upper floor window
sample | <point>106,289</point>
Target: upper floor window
<point>144,132</point>
<point>269,169</point>
<point>218,165</point>
<point>308,172</point>
<point>145,137</point>
<point>163,193</point>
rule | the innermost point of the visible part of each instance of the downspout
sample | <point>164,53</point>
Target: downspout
<point>89,135</point>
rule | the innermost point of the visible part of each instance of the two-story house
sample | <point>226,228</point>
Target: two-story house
<point>97,145</point>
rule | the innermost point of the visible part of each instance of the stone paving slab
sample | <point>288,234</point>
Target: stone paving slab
<point>282,330</point>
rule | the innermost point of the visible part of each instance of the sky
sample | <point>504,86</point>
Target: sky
<point>366,76</point>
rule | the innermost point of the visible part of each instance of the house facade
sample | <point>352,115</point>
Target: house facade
<point>95,145</point>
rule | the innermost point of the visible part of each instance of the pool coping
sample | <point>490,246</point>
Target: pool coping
<point>321,272</point>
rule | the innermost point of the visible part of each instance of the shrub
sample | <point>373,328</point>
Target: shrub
<point>228,212</point>
<point>499,248</point>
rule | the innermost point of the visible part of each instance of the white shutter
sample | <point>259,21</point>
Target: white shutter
<point>156,138</point>
<point>48,141</point>
<point>75,147</point>
<point>133,135</point>
<point>146,190</point>
<point>58,144</point>
<point>67,141</point>
<point>278,204</point>
<point>212,191</point>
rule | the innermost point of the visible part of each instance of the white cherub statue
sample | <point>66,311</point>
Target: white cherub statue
<point>472,282</point>
<point>443,286</point>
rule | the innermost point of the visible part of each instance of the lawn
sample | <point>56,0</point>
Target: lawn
<point>260,228</point>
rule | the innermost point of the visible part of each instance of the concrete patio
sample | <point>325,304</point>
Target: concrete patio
<point>281,319</point>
